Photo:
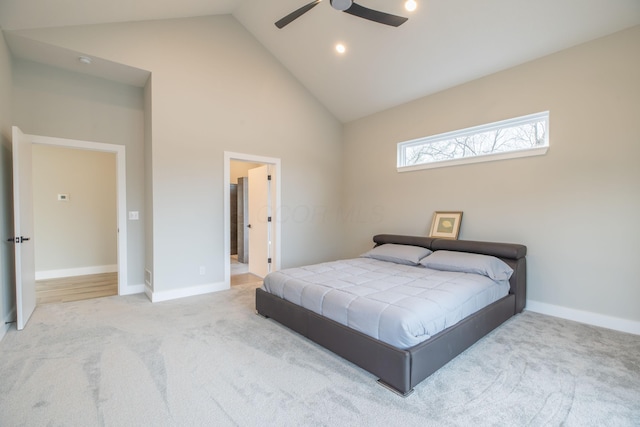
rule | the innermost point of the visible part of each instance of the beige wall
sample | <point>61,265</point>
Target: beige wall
<point>82,231</point>
<point>53,102</point>
<point>576,208</point>
<point>240,169</point>
<point>216,89</point>
<point>7,292</point>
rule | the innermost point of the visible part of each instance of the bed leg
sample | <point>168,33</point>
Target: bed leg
<point>261,315</point>
<point>395,390</point>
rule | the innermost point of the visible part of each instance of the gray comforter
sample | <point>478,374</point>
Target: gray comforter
<point>397,304</point>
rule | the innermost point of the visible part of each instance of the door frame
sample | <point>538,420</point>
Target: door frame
<point>276,239</point>
<point>121,192</point>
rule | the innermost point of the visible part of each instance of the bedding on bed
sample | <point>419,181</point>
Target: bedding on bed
<point>401,305</point>
<point>400,254</point>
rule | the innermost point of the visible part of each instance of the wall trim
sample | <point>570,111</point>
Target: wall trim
<point>230,156</point>
<point>80,271</point>
<point>594,319</point>
<point>207,288</point>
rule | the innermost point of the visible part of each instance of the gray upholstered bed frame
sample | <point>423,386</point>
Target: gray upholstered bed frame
<point>400,370</point>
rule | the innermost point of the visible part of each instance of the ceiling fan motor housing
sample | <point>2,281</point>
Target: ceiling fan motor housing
<point>349,7</point>
<point>341,4</point>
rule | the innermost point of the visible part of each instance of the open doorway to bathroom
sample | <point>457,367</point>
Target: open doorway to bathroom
<point>239,218</point>
<point>252,198</point>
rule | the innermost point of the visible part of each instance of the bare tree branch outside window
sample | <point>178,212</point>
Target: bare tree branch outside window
<point>510,135</point>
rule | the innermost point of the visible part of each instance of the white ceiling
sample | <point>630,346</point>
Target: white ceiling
<point>443,44</point>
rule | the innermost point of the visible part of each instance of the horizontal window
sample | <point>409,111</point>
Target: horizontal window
<point>518,137</point>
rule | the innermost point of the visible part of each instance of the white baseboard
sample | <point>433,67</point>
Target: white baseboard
<point>81,271</point>
<point>609,322</point>
<point>157,296</point>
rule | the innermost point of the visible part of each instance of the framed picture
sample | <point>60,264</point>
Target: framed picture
<point>446,225</point>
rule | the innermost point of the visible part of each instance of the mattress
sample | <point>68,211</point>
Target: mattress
<point>398,304</point>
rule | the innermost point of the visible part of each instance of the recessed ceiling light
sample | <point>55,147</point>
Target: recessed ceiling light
<point>84,59</point>
<point>410,5</point>
<point>340,48</point>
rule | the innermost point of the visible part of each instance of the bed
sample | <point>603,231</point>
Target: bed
<point>401,365</point>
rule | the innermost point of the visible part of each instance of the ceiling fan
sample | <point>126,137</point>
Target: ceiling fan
<point>349,7</point>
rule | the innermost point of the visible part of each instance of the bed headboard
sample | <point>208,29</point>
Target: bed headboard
<point>511,253</point>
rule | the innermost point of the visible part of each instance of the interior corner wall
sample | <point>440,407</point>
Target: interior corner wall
<point>576,208</point>
<point>7,289</point>
<point>147,214</point>
<point>217,89</point>
<point>53,102</point>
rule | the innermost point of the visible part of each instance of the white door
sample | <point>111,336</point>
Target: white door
<point>23,228</point>
<point>260,221</point>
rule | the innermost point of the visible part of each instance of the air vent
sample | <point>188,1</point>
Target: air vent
<point>148,279</point>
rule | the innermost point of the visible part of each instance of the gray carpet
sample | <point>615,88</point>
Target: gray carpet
<point>209,360</point>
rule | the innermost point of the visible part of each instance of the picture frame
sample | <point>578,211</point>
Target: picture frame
<point>446,225</point>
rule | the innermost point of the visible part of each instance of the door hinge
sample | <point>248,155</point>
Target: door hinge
<point>268,260</point>
<point>268,177</point>
<point>268,219</point>
<point>18,239</point>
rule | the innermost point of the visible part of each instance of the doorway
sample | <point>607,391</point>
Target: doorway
<point>250,258</point>
<point>74,210</point>
<point>23,218</point>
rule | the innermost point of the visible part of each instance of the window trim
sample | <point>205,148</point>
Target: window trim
<point>525,152</point>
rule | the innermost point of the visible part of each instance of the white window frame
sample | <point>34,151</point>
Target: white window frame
<point>509,123</point>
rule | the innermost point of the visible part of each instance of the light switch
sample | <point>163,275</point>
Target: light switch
<point>63,197</point>
<point>133,215</point>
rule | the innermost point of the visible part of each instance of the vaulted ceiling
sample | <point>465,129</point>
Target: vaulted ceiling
<point>443,44</point>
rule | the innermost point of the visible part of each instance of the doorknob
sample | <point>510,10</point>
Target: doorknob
<point>249,226</point>
<point>24,239</point>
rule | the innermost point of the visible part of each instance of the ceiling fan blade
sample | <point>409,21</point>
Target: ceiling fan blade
<point>375,15</point>
<point>296,14</point>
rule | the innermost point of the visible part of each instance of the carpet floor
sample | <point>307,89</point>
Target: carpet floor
<point>209,360</point>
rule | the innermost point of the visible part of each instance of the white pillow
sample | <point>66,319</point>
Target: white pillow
<point>465,262</point>
<point>400,254</point>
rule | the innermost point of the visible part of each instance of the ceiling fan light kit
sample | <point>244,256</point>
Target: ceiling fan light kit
<point>347,6</point>
<point>411,5</point>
